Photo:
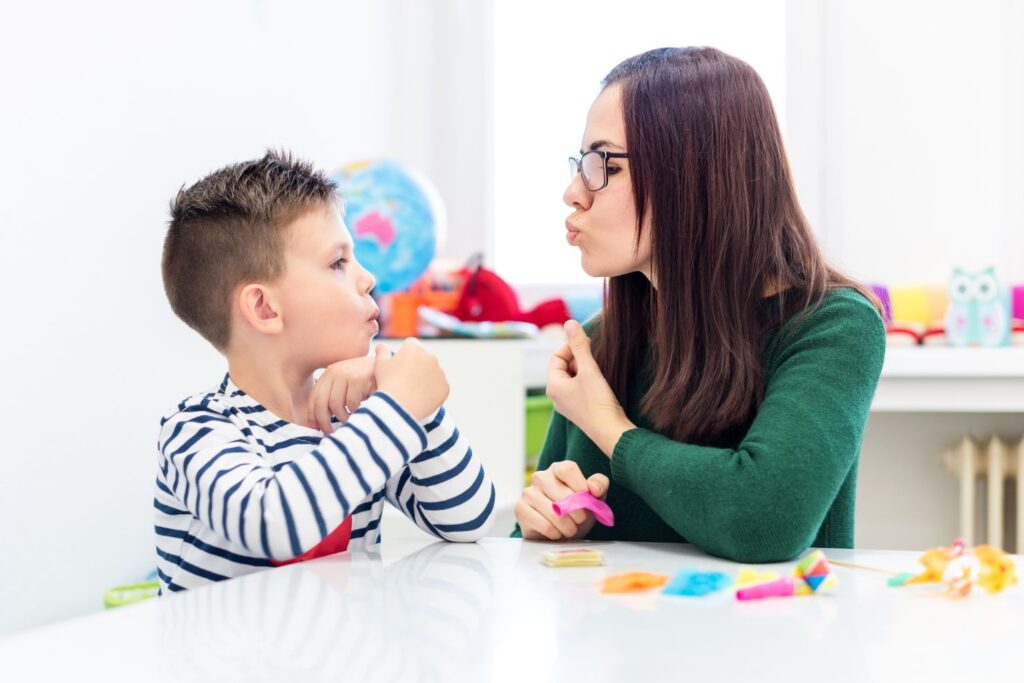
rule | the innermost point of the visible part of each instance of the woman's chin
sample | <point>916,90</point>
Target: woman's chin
<point>599,270</point>
<point>590,267</point>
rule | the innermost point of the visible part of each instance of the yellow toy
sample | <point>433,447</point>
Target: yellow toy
<point>960,568</point>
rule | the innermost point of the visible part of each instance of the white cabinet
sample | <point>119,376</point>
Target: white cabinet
<point>487,403</point>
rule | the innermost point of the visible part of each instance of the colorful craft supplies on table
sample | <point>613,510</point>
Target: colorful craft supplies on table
<point>900,579</point>
<point>961,568</point>
<point>572,557</point>
<point>692,583</point>
<point>811,575</point>
<point>749,576</point>
<point>814,570</point>
<point>585,500</point>
<point>633,582</point>
<point>779,588</point>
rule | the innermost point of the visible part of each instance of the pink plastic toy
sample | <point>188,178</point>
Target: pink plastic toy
<point>774,589</point>
<point>585,500</point>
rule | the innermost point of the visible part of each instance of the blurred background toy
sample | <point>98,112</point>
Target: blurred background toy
<point>972,309</point>
<point>488,297</point>
<point>396,217</point>
<point>979,312</point>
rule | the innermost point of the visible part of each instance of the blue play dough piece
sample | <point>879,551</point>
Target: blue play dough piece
<point>694,583</point>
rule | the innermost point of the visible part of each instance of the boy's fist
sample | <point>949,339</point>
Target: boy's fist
<point>412,376</point>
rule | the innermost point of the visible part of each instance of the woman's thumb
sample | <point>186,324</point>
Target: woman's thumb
<point>598,485</point>
<point>579,342</point>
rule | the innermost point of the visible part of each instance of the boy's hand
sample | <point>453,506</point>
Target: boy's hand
<point>340,390</point>
<point>536,517</point>
<point>413,377</point>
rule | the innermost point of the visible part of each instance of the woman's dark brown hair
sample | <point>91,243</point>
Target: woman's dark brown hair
<point>709,170</point>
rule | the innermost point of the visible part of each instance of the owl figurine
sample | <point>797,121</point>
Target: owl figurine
<point>979,310</point>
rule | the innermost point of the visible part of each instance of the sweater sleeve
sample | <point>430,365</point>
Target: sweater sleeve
<point>445,489</point>
<point>223,479</point>
<point>765,500</point>
<point>551,452</point>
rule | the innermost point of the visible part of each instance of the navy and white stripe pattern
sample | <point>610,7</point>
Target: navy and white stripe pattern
<point>237,486</point>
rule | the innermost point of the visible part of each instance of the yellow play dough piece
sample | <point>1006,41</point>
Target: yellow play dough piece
<point>572,557</point>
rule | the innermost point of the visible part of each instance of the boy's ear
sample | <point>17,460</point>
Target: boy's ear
<point>260,309</point>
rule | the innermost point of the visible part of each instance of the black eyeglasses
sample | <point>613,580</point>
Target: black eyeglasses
<point>593,165</point>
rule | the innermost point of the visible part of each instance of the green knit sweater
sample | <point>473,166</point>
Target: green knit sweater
<point>768,490</point>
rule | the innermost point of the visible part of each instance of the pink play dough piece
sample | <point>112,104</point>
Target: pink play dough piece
<point>585,500</point>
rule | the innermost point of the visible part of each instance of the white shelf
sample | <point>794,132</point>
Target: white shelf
<point>945,362</point>
<point>915,379</point>
<point>948,380</point>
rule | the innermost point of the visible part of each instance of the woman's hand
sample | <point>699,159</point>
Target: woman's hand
<point>536,517</point>
<point>580,393</point>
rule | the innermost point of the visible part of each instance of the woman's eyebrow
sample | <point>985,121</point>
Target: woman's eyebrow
<point>598,144</point>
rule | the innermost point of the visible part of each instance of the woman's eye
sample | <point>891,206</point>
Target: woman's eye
<point>612,170</point>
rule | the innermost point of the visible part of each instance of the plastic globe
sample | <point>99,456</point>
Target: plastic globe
<point>396,218</point>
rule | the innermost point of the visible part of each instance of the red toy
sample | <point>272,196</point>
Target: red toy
<point>487,297</point>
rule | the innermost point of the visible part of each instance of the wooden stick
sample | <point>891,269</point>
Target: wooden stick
<point>851,565</point>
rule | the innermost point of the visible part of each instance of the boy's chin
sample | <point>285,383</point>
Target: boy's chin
<point>351,351</point>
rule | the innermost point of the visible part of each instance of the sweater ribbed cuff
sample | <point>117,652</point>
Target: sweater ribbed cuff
<point>627,444</point>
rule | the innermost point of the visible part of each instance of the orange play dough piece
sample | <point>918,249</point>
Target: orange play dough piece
<point>632,582</point>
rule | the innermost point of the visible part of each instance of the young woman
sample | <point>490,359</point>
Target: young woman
<point>723,397</point>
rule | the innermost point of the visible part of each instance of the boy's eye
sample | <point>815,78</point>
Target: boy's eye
<point>339,264</point>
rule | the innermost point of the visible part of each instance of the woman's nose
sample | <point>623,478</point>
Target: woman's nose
<point>577,195</point>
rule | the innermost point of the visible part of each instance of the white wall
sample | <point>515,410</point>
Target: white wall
<point>442,84</point>
<point>906,135</point>
<point>107,109</point>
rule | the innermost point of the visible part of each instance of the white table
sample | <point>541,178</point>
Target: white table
<point>490,611</point>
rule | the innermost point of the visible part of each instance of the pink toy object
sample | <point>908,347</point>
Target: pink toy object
<point>773,589</point>
<point>585,500</point>
<point>811,573</point>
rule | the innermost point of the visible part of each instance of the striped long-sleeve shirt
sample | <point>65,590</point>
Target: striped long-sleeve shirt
<point>238,487</point>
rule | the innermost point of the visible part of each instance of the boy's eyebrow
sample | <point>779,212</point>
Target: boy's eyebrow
<point>598,144</point>
<point>339,247</point>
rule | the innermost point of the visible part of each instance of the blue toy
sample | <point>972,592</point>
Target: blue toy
<point>694,583</point>
<point>979,310</point>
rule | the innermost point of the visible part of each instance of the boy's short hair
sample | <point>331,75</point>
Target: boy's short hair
<point>228,228</point>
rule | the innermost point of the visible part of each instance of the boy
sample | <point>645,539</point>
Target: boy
<point>268,468</point>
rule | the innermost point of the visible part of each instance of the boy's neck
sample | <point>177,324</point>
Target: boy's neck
<point>282,390</point>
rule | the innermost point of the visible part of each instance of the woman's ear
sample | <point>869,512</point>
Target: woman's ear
<point>260,308</point>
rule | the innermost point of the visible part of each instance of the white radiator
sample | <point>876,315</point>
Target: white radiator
<point>993,461</point>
